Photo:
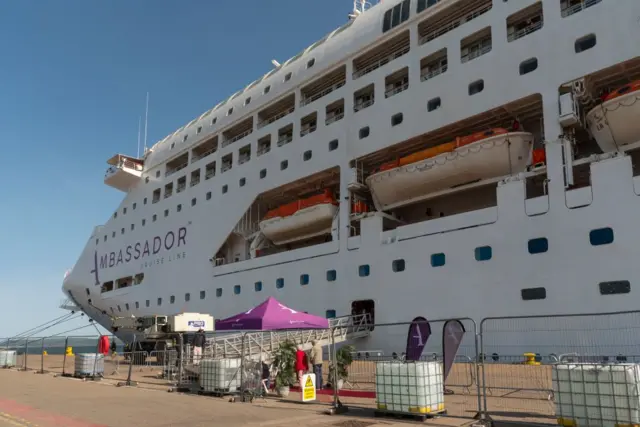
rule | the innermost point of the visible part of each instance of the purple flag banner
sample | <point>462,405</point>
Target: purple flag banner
<point>452,333</point>
<point>419,332</point>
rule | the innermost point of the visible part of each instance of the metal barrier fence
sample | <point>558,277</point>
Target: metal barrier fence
<point>580,369</point>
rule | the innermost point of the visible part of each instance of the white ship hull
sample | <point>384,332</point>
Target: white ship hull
<point>156,258</point>
<point>492,157</point>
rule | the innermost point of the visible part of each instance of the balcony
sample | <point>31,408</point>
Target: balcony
<point>309,124</point>
<point>397,82</point>
<point>451,18</point>
<point>205,149</point>
<point>285,135</point>
<point>433,65</point>
<point>334,112</point>
<point>476,45</point>
<point>177,164</point>
<point>381,55</point>
<point>571,7</point>
<point>524,22</point>
<point>237,132</point>
<point>324,86</point>
<point>363,98</point>
<point>124,172</point>
<point>276,111</point>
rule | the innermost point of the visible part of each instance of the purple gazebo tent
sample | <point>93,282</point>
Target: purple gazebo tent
<point>271,315</point>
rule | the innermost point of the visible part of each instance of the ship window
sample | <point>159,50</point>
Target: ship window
<point>88,291</point>
<point>396,15</point>
<point>137,305</point>
<point>483,253</point>
<point>134,206</point>
<point>311,62</point>
<point>601,236</point>
<point>398,265</point>
<point>364,270</point>
<point>184,139</point>
<point>280,283</point>
<point>193,201</point>
<point>203,294</point>
<point>247,101</point>
<point>133,226</point>
<point>219,292</point>
<point>529,294</point>
<point>154,218</point>
<point>438,260</point>
<point>146,180</point>
<point>97,241</point>
<point>263,173</point>
<point>122,230</point>
<point>396,119</point>
<point>159,301</point>
<point>179,208</point>
<point>187,297</point>
<point>111,309</point>
<point>257,286</point>
<point>173,144</point>
<point>144,202</point>
<point>585,43</point>
<point>287,77</point>
<point>172,299</point>
<point>105,238</point>
<point>237,289</point>
<point>284,164</point>
<point>166,213</point>
<point>208,195</point>
<point>230,112</point>
<point>124,211</point>
<point>147,303</point>
<point>333,145</point>
<point>225,188</point>
<point>330,314</point>
<point>307,155</point>
<point>113,234</point>
<point>528,66</point>
<point>304,279</point>
<point>331,275</point>
<point>115,215</point>
<point>157,174</point>
<point>476,87</point>
<point>119,309</point>
<point>199,130</point>
<point>616,287</point>
<point>243,181</point>
<point>267,89</point>
<point>364,132</point>
<point>538,246</point>
<point>423,4</point>
<point>144,221</point>
<point>434,104</point>
<point>213,121</point>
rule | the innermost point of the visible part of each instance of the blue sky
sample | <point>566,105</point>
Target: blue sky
<point>73,82</point>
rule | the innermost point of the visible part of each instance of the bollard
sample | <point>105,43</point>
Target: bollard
<point>530,359</point>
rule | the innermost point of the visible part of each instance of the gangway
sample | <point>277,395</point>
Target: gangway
<point>260,344</point>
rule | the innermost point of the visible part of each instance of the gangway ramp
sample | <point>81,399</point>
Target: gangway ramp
<point>263,343</point>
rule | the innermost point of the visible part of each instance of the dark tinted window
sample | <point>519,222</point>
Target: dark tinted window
<point>538,246</point>
<point>616,287</point>
<point>533,293</point>
<point>601,236</point>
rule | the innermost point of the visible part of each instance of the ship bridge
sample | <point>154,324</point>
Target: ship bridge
<point>124,172</point>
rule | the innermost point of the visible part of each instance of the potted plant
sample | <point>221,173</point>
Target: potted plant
<point>344,358</point>
<point>284,359</point>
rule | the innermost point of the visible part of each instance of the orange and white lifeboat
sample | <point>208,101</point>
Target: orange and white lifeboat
<point>615,122</point>
<point>299,220</point>
<point>483,155</point>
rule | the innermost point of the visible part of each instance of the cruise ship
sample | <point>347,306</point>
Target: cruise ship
<point>437,158</point>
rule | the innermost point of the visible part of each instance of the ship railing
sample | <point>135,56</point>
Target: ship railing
<point>475,53</point>
<point>199,156</point>
<point>362,105</point>
<point>285,139</point>
<point>181,187</point>
<point>334,118</point>
<point>171,171</point>
<point>429,74</point>
<point>210,172</point>
<point>383,61</point>
<point>325,92</point>
<point>278,116</point>
<point>571,10</point>
<point>396,90</point>
<point>236,137</point>
<point>195,180</point>
<point>455,24</point>
<point>308,130</point>
<point>524,31</point>
<point>263,149</point>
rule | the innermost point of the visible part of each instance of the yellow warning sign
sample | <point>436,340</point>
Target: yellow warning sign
<point>309,388</point>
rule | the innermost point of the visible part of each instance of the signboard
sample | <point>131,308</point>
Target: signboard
<point>419,332</point>
<point>308,387</point>
<point>196,323</point>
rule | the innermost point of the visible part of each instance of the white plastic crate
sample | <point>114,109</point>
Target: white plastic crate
<point>89,364</point>
<point>413,387</point>
<point>219,375</point>
<point>606,395</point>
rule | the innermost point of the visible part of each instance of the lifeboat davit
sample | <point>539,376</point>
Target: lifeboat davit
<point>483,155</point>
<point>299,220</point>
<point>615,122</point>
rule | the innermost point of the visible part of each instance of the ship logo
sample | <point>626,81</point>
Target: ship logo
<point>95,267</point>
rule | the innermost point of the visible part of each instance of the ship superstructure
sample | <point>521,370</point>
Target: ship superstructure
<point>452,158</point>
